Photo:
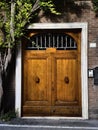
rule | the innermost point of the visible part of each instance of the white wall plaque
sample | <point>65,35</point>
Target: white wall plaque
<point>92,45</point>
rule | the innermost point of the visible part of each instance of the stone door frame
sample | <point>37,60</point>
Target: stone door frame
<point>84,66</point>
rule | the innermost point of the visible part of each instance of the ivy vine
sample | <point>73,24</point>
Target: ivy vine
<point>95,3</point>
<point>15,14</point>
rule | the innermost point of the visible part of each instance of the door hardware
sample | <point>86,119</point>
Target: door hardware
<point>66,80</point>
<point>37,79</point>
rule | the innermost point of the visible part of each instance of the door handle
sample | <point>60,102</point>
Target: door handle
<point>37,79</point>
<point>66,80</point>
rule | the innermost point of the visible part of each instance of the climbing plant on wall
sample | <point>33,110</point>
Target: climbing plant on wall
<point>95,3</point>
<point>15,14</point>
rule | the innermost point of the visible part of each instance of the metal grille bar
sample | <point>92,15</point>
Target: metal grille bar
<point>60,41</point>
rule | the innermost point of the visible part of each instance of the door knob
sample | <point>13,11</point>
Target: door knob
<point>37,79</point>
<point>66,80</point>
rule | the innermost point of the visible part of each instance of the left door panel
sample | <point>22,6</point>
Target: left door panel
<point>36,84</point>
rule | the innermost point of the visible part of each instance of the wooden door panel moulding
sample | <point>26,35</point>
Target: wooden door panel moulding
<point>66,70</point>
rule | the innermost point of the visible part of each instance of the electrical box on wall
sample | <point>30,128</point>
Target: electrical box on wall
<point>96,76</point>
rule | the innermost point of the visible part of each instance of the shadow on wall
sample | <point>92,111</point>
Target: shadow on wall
<point>71,6</point>
<point>8,101</point>
<point>66,7</point>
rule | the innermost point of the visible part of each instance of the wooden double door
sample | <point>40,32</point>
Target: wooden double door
<point>51,83</point>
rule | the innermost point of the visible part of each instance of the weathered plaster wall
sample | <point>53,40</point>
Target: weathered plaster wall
<point>81,12</point>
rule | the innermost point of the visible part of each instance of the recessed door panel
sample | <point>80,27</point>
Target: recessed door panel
<point>65,80</point>
<point>37,80</point>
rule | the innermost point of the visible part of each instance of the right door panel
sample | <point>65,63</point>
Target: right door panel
<point>66,87</point>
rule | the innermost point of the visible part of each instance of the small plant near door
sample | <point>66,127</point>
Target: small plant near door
<point>8,116</point>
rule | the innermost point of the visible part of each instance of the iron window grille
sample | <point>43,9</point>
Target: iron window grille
<point>60,41</point>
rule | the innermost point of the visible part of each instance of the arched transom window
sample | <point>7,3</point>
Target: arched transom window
<point>60,41</point>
